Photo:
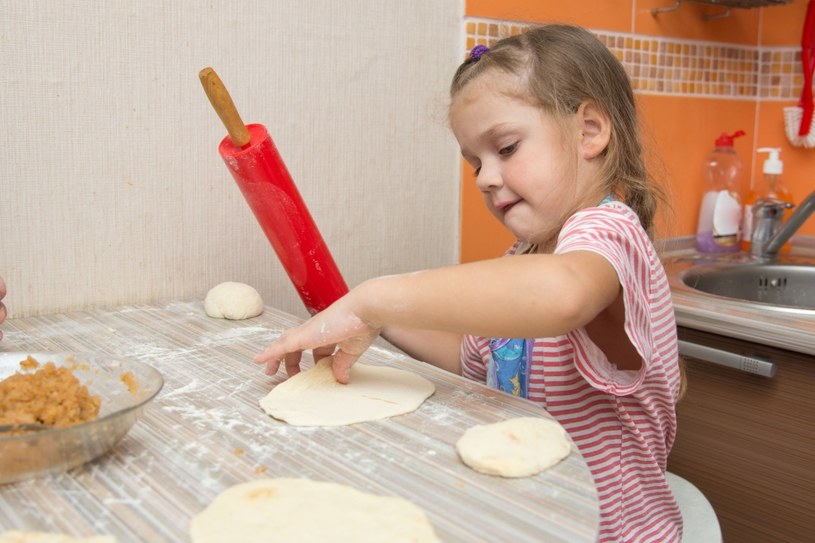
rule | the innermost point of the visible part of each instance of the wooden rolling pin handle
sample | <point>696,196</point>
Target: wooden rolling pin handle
<point>224,107</point>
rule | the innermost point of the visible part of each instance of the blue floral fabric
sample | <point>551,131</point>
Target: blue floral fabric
<point>508,369</point>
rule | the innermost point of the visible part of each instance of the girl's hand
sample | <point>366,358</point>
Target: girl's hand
<point>337,330</point>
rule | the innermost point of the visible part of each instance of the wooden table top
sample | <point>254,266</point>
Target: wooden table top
<point>206,432</point>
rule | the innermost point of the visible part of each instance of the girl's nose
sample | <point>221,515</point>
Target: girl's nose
<point>489,178</point>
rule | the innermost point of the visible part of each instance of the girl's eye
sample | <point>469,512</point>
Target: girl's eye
<point>509,149</point>
<point>477,171</point>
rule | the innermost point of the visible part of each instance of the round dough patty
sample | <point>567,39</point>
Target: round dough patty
<point>518,447</point>
<point>301,510</point>
<point>315,398</point>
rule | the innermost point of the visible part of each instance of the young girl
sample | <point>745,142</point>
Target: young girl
<point>578,317</point>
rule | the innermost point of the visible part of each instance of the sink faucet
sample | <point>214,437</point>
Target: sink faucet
<point>769,234</point>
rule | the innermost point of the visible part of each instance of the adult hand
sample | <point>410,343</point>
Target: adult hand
<point>337,330</point>
<point>2,306</point>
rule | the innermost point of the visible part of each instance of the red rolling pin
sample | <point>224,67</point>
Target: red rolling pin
<point>267,186</point>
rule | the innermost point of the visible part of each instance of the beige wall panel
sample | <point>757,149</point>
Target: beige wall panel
<point>111,187</point>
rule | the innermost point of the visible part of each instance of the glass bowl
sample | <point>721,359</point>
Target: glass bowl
<point>59,449</point>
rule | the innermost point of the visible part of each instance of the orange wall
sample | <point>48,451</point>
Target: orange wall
<point>680,128</point>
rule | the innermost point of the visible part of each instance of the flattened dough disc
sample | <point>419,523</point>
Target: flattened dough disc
<point>518,447</point>
<point>301,510</point>
<point>315,398</point>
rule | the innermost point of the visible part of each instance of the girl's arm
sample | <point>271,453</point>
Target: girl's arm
<point>441,349</point>
<point>519,296</point>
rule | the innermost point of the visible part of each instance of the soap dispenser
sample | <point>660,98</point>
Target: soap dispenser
<point>720,213</point>
<point>769,186</point>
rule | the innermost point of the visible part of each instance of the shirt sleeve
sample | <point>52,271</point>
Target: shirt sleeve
<point>614,232</point>
<point>472,360</point>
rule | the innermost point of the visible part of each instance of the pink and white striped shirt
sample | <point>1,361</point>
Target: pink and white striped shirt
<point>623,422</point>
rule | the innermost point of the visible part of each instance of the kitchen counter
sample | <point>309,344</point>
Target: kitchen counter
<point>792,330</point>
<point>746,424</point>
<point>205,432</point>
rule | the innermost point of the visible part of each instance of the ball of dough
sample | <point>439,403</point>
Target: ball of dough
<point>233,301</point>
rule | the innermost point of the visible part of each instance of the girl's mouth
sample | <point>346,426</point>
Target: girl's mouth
<point>503,207</point>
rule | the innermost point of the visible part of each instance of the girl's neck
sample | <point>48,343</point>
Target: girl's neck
<point>548,245</point>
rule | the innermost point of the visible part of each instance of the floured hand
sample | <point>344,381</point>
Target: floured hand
<point>337,330</point>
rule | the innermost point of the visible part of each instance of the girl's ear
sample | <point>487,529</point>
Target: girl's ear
<point>593,128</point>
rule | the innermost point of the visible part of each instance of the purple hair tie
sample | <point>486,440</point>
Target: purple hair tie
<point>478,51</point>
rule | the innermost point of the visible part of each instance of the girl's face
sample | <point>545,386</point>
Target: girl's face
<point>526,168</point>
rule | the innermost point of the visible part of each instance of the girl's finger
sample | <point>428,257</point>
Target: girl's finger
<point>321,352</point>
<point>293,363</point>
<point>274,352</point>
<point>272,366</point>
<point>341,365</point>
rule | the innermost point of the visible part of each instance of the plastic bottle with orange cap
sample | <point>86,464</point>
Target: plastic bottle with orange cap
<point>720,215</point>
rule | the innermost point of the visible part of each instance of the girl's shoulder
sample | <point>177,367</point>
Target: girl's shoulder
<point>613,207</point>
<point>613,226</point>
<point>611,214</point>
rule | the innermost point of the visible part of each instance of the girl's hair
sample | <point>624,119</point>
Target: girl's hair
<point>564,66</point>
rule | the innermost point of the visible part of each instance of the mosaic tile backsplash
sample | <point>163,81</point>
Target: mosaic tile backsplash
<point>684,67</point>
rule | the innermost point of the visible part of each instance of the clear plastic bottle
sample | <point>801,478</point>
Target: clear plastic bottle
<point>769,186</point>
<point>720,213</point>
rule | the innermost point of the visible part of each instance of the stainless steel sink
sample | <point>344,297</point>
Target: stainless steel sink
<point>739,297</point>
<point>784,286</point>
<point>778,284</point>
<point>766,277</point>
